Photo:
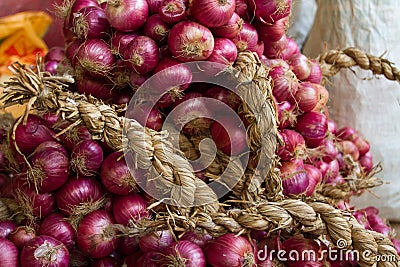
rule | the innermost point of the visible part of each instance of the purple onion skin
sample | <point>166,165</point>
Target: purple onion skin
<point>86,157</point>
<point>57,226</point>
<point>91,23</point>
<point>6,227</point>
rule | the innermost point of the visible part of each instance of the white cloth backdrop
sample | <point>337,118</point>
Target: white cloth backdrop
<point>369,104</point>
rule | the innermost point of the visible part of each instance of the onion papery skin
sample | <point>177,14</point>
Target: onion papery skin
<point>129,209</point>
<point>301,66</point>
<point>6,227</point>
<point>31,134</point>
<point>224,54</point>
<point>172,11</point>
<point>99,88</point>
<point>272,31</point>
<point>314,176</point>
<point>90,23</point>
<point>44,251</point>
<point>197,237</point>
<point>156,28</point>
<point>294,177</point>
<point>190,41</point>
<point>8,253</point>
<point>95,58</point>
<point>95,234</point>
<point>294,145</point>
<point>77,192</point>
<point>55,53</point>
<point>157,241</point>
<point>275,49</point>
<point>120,40</point>
<point>313,126</point>
<point>50,169</point>
<point>22,235</point>
<point>86,158</point>
<point>270,10</point>
<point>35,205</point>
<point>306,97</point>
<point>116,175</point>
<point>183,253</point>
<point>212,13</point>
<point>247,38</point>
<point>56,225</point>
<point>141,54</point>
<point>285,84</point>
<point>51,144</point>
<point>231,29</point>
<point>127,15</point>
<point>230,250</point>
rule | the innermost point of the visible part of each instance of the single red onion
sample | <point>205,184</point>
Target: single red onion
<point>119,41</point>
<point>301,66</point>
<point>230,250</point>
<point>313,126</point>
<point>247,38</point>
<point>270,11</point>
<point>127,15</point>
<point>154,6</point>
<point>315,72</point>
<point>306,97</point>
<point>147,115</point>
<point>225,96</point>
<point>212,13</point>
<point>22,235</point>
<point>156,28</point>
<point>230,29</point>
<point>272,31</point>
<point>197,237</point>
<point>275,49</point>
<point>362,144</point>
<point>98,88</point>
<point>290,49</point>
<point>55,53</point>
<point>346,133</point>
<point>190,41</point>
<point>294,145</point>
<point>329,170</point>
<point>51,66</point>
<point>129,209</point>
<point>286,114</point>
<point>57,226</point>
<point>332,127</point>
<point>96,235</point>
<point>8,253</point>
<point>49,169</point>
<point>349,148</point>
<point>183,253</point>
<point>116,175</point>
<point>90,23</point>
<point>243,10</point>
<point>51,144</point>
<point>141,54</point>
<point>86,158</point>
<point>366,162</point>
<point>285,83</point>
<point>122,96</point>
<point>136,80</point>
<point>6,227</point>
<point>224,54</point>
<point>314,176</point>
<point>157,241</point>
<point>294,177</point>
<point>172,11</point>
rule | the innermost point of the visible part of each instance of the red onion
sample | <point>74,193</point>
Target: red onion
<point>212,13</point>
<point>313,126</point>
<point>171,76</point>
<point>129,209</point>
<point>247,38</point>
<point>136,80</point>
<point>141,54</point>
<point>275,49</point>
<point>332,127</point>
<point>72,9</point>
<point>86,158</point>
<point>29,135</point>
<point>314,176</point>
<point>230,29</point>
<point>315,72</point>
<point>55,53</point>
<point>129,245</point>
<point>294,145</point>
<point>190,113</point>
<point>154,6</point>
<point>197,237</point>
<point>172,11</point>
<point>71,49</point>
<point>34,204</point>
<point>329,170</point>
<point>44,251</point>
<point>122,97</point>
<point>294,177</point>
<point>290,49</point>
<point>51,144</point>
<point>349,148</point>
<point>22,235</point>
<point>96,235</point>
<point>230,250</point>
<point>286,114</point>
<point>272,32</point>
<point>190,41</point>
<point>105,262</point>
<point>120,40</point>
<point>127,15</point>
<point>242,9</point>
<point>366,162</point>
<point>6,227</point>
<point>8,253</point>
<point>147,115</point>
<point>285,83</point>
<point>117,177</point>
<point>98,88</point>
<point>259,48</point>
<point>323,97</point>
<point>56,225</point>
<point>51,66</point>
<point>270,11</point>
<point>149,259</point>
<point>346,133</point>
<point>183,253</point>
<point>49,169</point>
<point>156,28</point>
<point>301,245</point>
<point>50,118</point>
<point>306,97</point>
<point>90,23</point>
<point>95,58</point>
<point>225,54</point>
<point>157,241</point>
<point>362,144</point>
<point>301,66</point>
<point>75,135</point>
<point>79,195</point>
<point>225,96</point>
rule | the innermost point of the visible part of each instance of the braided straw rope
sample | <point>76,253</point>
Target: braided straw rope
<point>46,93</point>
<point>333,61</point>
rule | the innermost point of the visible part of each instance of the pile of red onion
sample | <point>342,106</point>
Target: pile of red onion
<point>76,194</point>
